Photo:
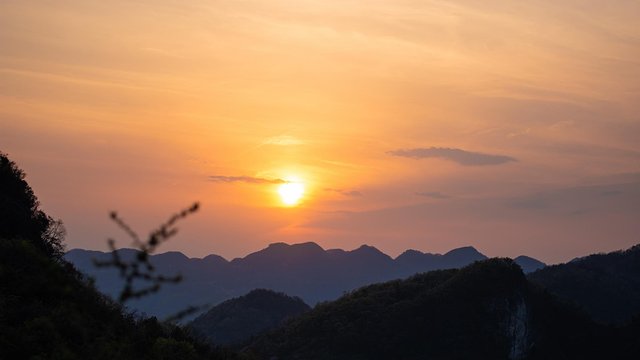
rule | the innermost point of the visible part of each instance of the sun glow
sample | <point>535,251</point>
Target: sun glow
<point>291,193</point>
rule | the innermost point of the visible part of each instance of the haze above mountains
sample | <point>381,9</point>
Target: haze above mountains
<point>305,270</point>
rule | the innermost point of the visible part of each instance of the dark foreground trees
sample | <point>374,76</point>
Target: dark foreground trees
<point>48,310</point>
<point>20,215</point>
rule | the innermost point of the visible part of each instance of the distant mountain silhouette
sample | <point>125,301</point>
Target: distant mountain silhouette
<point>413,261</point>
<point>305,270</point>
<point>238,319</point>
<point>487,310</point>
<point>607,286</point>
<point>529,264</point>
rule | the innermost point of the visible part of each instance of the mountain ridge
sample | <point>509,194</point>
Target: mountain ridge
<point>304,269</point>
<point>286,245</point>
<point>605,285</point>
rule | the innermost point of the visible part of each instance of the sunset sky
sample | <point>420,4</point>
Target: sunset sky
<point>511,126</point>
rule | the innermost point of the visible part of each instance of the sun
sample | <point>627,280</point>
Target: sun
<point>291,193</point>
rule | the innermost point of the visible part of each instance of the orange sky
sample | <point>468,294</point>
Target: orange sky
<point>510,126</point>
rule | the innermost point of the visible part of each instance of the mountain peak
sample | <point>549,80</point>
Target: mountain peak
<point>368,249</point>
<point>278,245</point>
<point>240,318</point>
<point>310,245</point>
<point>529,264</point>
<point>369,252</point>
<point>410,253</point>
<point>173,255</point>
<point>283,252</point>
<point>463,256</point>
<point>213,258</point>
<point>467,250</point>
<point>365,247</point>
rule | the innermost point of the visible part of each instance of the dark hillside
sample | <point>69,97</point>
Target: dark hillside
<point>20,215</point>
<point>607,286</point>
<point>237,320</point>
<point>487,310</point>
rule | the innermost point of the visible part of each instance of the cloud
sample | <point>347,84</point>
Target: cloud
<point>434,195</point>
<point>245,179</point>
<point>283,140</point>
<point>519,133</point>
<point>462,157</point>
<point>620,198</point>
<point>537,202</point>
<point>351,193</point>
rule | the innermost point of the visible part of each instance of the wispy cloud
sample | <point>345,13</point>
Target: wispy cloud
<point>244,179</point>
<point>351,193</point>
<point>462,157</point>
<point>434,195</point>
<point>283,140</point>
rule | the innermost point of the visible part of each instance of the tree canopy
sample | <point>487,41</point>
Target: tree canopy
<point>20,214</point>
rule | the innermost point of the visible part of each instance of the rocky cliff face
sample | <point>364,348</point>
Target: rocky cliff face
<point>517,329</point>
<point>514,323</point>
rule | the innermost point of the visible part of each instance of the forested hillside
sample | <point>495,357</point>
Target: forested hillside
<point>238,319</point>
<point>607,286</point>
<point>487,310</point>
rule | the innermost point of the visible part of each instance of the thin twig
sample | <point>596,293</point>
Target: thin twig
<point>140,269</point>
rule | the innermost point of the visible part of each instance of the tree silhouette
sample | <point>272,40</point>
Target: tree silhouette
<point>48,310</point>
<point>20,214</point>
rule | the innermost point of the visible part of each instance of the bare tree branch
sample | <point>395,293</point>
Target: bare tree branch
<point>139,270</point>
